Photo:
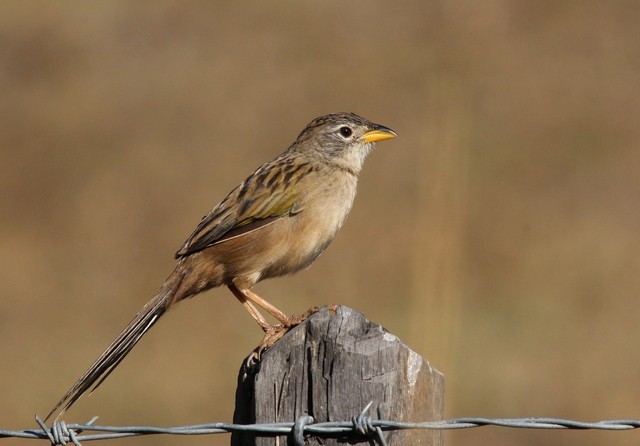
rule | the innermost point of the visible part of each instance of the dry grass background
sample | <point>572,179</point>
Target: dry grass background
<point>498,235</point>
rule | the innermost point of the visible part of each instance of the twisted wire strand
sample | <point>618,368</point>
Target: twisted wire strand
<point>61,433</point>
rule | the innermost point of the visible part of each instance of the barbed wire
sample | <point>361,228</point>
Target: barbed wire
<point>61,433</point>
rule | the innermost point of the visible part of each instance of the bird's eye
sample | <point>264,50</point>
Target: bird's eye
<point>345,131</point>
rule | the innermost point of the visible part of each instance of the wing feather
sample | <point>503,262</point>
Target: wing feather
<point>249,207</point>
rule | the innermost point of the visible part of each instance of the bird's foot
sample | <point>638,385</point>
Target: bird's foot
<point>292,321</point>
<point>273,333</point>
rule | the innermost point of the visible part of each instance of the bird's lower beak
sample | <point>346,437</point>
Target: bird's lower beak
<point>379,134</point>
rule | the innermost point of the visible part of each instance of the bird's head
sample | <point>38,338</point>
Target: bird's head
<point>343,139</point>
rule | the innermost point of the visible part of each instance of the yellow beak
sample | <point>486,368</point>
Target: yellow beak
<point>379,134</point>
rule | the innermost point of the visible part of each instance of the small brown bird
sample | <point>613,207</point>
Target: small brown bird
<point>276,222</point>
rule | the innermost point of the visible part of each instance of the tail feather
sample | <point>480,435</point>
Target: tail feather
<point>119,348</point>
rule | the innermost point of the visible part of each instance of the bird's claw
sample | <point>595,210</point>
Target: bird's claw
<point>273,333</point>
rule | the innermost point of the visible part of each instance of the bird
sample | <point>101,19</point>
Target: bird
<point>276,222</point>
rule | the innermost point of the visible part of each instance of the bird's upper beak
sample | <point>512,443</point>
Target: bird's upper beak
<point>379,133</point>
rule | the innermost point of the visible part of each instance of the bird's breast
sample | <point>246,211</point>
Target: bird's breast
<point>307,234</point>
<point>325,210</point>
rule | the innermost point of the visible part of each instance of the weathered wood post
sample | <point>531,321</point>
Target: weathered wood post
<point>330,367</point>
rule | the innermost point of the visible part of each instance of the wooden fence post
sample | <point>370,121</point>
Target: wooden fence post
<point>330,367</point>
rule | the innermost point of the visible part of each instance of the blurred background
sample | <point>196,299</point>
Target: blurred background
<point>498,236</point>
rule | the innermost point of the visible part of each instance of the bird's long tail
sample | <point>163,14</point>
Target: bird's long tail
<point>122,345</point>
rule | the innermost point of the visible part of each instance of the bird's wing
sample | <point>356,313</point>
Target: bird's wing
<point>249,207</point>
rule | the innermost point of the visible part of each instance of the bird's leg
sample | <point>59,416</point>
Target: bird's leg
<point>246,295</point>
<point>272,333</point>
<point>259,318</point>
<point>273,311</point>
<point>286,321</point>
<point>256,315</point>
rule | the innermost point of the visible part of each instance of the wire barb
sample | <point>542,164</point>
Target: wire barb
<point>60,433</point>
<point>298,429</point>
<point>362,424</point>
